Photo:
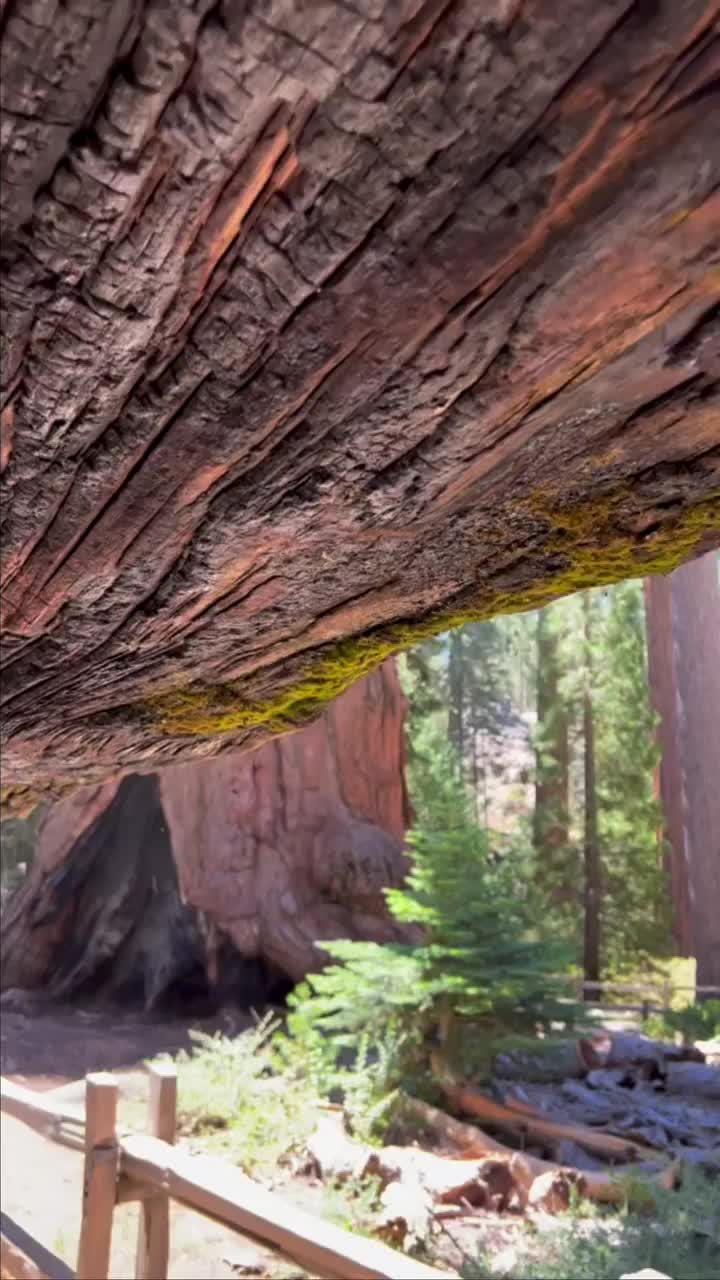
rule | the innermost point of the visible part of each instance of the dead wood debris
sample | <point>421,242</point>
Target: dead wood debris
<point>640,1109</point>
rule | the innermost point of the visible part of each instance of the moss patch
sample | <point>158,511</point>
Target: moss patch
<point>583,535</point>
<point>18,800</point>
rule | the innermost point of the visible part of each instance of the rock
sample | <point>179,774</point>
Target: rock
<point>697,1080</point>
<point>19,1000</point>
<point>605,1079</point>
<point>244,1259</point>
<point>553,1191</point>
<point>504,1262</point>
<point>703,1157</point>
<point>568,1152</point>
<point>405,1214</point>
<point>648,1273</point>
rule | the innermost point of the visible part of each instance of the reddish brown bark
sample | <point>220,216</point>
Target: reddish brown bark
<point>225,872</point>
<point>663,689</point>
<point>696,642</point>
<point>319,319</point>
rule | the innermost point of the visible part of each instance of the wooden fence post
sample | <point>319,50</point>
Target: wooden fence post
<point>153,1249</point>
<point>100,1176</point>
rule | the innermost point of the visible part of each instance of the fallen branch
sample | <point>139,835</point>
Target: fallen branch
<point>496,1178</point>
<point>468,1098</point>
<point>632,1186</point>
<point>699,1081</point>
<point>574,1059</point>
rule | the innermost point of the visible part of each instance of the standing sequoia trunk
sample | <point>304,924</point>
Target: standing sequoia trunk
<point>591,850</point>
<point>552,767</point>
<point>663,691</point>
<point>325,320</point>
<point>696,645</point>
<point>224,874</point>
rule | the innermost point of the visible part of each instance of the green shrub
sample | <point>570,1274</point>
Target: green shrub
<point>695,1022</point>
<point>352,1203</point>
<point>247,1101</point>
<point>367,1022</point>
<point>681,1239</point>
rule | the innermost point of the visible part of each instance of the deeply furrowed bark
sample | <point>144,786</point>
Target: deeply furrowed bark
<point>215,881</point>
<point>322,322</point>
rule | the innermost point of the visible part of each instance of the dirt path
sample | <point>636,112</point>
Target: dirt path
<point>41,1183</point>
<point>46,1047</point>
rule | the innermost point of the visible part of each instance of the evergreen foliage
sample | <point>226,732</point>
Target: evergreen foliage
<point>480,957</point>
<point>610,666</point>
<point>485,909</point>
<point>635,902</point>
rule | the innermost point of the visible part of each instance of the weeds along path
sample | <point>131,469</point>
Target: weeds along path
<point>41,1183</point>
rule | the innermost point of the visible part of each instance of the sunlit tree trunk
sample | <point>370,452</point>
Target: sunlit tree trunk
<point>696,647</point>
<point>552,771</point>
<point>663,689</point>
<point>591,851</point>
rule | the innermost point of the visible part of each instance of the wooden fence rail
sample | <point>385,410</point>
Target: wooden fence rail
<point>24,1258</point>
<point>122,1167</point>
<point>654,996</point>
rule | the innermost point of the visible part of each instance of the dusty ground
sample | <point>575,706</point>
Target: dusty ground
<point>50,1047</point>
<point>41,1183</point>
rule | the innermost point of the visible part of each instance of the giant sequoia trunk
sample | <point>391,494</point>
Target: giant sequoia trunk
<point>323,320</point>
<point>216,879</point>
<point>663,691</point>
<point>683,615</point>
<point>696,635</point>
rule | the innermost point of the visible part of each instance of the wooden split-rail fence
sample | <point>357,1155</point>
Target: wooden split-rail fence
<point>645,997</point>
<point>122,1167</point>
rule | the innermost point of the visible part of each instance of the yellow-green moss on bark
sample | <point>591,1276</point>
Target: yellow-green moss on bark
<point>584,535</point>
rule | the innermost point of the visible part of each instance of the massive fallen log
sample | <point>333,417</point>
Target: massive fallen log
<point>328,326</point>
<point>535,1127</point>
<point>471,1174</point>
<point>694,1079</point>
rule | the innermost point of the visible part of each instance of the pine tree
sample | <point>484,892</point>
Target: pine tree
<point>483,957</point>
<point>595,670</point>
<point>552,768</point>
<point>488,708</point>
<point>433,770</point>
<point>635,903</point>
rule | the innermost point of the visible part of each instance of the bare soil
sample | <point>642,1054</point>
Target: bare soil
<point>47,1048</point>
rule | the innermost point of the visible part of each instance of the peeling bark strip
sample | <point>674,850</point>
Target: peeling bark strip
<point>325,321</point>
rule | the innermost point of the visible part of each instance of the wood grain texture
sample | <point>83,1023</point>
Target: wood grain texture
<point>220,876</point>
<point>315,317</point>
<point>153,1249</point>
<point>99,1178</point>
<point>228,1195</point>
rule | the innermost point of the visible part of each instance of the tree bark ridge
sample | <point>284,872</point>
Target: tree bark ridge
<point>322,323</point>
